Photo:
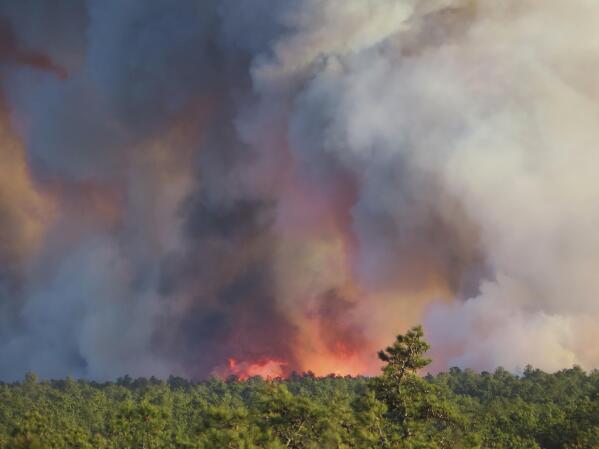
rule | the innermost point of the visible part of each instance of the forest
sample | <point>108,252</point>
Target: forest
<point>400,409</point>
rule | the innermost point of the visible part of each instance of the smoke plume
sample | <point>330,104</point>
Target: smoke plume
<point>219,187</point>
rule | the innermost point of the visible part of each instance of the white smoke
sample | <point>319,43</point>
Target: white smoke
<point>492,108</point>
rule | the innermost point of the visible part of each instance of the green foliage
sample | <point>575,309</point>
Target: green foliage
<point>418,413</point>
<point>406,356</point>
<point>399,409</point>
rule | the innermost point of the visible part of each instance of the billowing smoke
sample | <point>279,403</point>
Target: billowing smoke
<point>204,187</point>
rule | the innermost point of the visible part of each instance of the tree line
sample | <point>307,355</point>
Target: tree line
<point>397,410</point>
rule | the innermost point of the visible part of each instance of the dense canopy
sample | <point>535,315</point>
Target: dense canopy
<point>399,409</point>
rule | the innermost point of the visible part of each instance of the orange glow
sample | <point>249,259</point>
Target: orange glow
<point>25,210</point>
<point>341,323</point>
<point>94,204</point>
<point>266,368</point>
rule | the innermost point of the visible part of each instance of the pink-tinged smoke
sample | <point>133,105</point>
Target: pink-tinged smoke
<point>214,187</point>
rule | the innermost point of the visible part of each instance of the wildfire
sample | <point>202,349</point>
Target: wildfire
<point>266,368</point>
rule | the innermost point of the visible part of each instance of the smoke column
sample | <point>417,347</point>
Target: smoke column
<point>203,187</point>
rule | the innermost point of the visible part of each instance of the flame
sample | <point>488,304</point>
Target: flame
<point>266,368</point>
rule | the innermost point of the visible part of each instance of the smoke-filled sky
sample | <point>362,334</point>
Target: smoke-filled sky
<point>212,187</point>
